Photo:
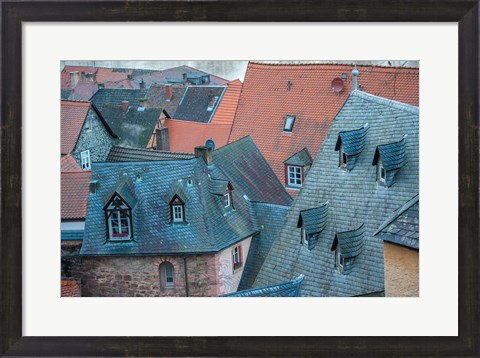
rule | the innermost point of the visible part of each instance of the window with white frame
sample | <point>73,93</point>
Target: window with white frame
<point>85,159</point>
<point>177,213</point>
<point>119,220</point>
<point>237,257</point>
<point>339,260</point>
<point>167,275</point>
<point>289,121</point>
<point>304,239</point>
<point>228,202</point>
<point>294,176</point>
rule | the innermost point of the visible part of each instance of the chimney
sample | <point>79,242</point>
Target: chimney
<point>205,153</point>
<point>142,84</point>
<point>125,106</point>
<point>162,139</point>
<point>74,77</point>
<point>83,76</point>
<point>100,85</point>
<point>143,103</point>
<point>355,75</point>
<point>184,76</point>
<point>168,92</point>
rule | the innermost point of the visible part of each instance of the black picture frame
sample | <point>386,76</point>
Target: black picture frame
<point>13,13</point>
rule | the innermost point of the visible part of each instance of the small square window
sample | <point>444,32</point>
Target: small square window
<point>295,176</point>
<point>289,121</point>
<point>177,213</point>
<point>85,160</point>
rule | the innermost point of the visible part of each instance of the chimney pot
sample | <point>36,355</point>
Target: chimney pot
<point>162,139</point>
<point>168,92</point>
<point>74,77</point>
<point>125,105</point>
<point>205,153</point>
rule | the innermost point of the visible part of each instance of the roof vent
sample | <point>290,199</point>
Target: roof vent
<point>289,85</point>
<point>355,75</point>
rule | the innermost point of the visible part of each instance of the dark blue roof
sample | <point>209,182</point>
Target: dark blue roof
<point>351,242</point>
<point>287,289</point>
<point>393,157</point>
<point>352,143</point>
<point>313,220</point>
<point>194,106</point>
<point>354,197</point>
<point>152,185</point>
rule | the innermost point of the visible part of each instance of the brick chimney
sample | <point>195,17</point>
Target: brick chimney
<point>125,106</point>
<point>205,153</point>
<point>74,77</point>
<point>162,139</point>
<point>168,92</point>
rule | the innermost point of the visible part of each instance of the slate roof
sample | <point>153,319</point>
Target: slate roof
<point>288,289</point>
<point>266,101</point>
<point>74,193</point>
<point>267,219</point>
<point>72,117</point>
<point>209,227</point>
<point>393,158</point>
<point>354,198</point>
<point>402,226</point>
<point>115,96</point>
<point>157,97</point>
<point>184,136</point>
<point>195,103</point>
<point>313,220</point>
<point>72,235</point>
<point>126,154</point>
<point>302,158</point>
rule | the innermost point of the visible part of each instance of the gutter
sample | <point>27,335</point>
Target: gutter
<point>186,275</point>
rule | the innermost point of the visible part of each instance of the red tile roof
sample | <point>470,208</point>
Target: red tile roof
<point>70,288</point>
<point>106,75</point>
<point>72,117</point>
<point>74,193</point>
<point>266,100</point>
<point>69,164</point>
<point>184,136</point>
<point>65,74</point>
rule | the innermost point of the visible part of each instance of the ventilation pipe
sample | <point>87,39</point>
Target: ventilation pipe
<point>355,75</point>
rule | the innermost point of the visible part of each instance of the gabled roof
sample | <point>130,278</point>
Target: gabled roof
<point>115,96</point>
<point>65,79</point>
<point>354,197</point>
<point>126,154</point>
<point>157,97</point>
<point>184,136</point>
<point>72,117</point>
<point>209,227</point>
<point>288,289</point>
<point>266,100</point>
<point>302,158</point>
<point>69,164</point>
<point>199,103</point>
<point>402,226</point>
<point>267,219</point>
<point>74,193</point>
<point>83,91</point>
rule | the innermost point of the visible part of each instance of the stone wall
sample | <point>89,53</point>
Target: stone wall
<point>401,271</point>
<point>96,139</point>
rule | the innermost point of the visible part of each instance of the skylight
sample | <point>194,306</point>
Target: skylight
<point>289,121</point>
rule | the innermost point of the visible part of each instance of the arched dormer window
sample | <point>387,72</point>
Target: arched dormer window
<point>119,219</point>
<point>228,196</point>
<point>389,159</point>
<point>349,146</point>
<point>177,210</point>
<point>312,222</point>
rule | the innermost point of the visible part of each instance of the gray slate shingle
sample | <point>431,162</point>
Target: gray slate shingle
<point>354,197</point>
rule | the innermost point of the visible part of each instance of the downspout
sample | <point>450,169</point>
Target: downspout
<point>186,277</point>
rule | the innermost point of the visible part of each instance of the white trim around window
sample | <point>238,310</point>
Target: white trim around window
<point>295,176</point>
<point>85,160</point>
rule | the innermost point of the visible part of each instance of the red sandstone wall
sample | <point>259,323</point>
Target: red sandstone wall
<point>401,271</point>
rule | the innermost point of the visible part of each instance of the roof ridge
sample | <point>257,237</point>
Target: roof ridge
<point>77,172</point>
<point>333,63</point>
<point>386,102</point>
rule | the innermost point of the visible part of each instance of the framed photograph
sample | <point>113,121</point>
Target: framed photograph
<point>119,317</point>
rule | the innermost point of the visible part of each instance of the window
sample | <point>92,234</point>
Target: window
<point>85,159</point>
<point>289,121</point>
<point>212,102</point>
<point>237,257</point>
<point>381,173</point>
<point>294,176</point>
<point>228,201</point>
<point>177,213</point>
<point>304,239</point>
<point>343,158</point>
<point>339,260</point>
<point>119,220</point>
<point>167,275</point>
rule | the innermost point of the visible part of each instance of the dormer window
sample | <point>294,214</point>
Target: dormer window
<point>85,160</point>
<point>289,122</point>
<point>389,159</point>
<point>311,223</point>
<point>296,168</point>
<point>119,219</point>
<point>347,245</point>
<point>228,196</point>
<point>349,146</point>
<point>339,259</point>
<point>177,210</point>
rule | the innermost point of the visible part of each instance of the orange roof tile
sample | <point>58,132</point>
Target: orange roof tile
<point>72,117</point>
<point>74,193</point>
<point>65,74</point>
<point>184,136</point>
<point>265,101</point>
<point>70,288</point>
<point>105,75</point>
<point>69,164</point>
